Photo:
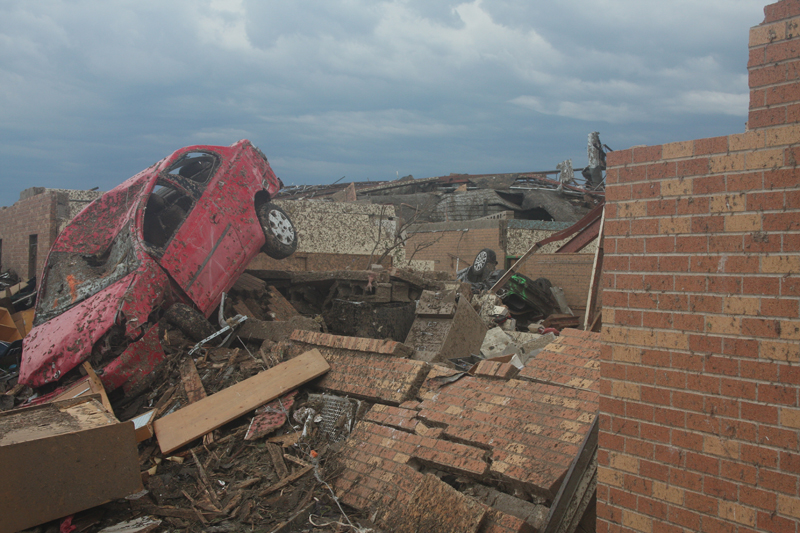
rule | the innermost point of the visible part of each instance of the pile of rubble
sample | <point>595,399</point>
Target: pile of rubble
<point>397,403</point>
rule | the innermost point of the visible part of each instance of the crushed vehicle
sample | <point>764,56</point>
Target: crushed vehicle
<point>179,232</point>
<point>481,274</point>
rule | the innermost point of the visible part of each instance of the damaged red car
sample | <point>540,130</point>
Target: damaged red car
<point>181,231</point>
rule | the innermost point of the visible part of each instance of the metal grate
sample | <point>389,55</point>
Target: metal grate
<point>338,415</point>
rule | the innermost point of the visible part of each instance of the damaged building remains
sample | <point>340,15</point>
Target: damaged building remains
<point>612,348</point>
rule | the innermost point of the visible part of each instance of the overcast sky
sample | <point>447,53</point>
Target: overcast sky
<point>93,91</point>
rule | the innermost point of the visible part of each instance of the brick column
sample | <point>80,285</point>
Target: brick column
<point>701,359</point>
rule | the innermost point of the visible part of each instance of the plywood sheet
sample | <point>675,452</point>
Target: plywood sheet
<point>193,421</point>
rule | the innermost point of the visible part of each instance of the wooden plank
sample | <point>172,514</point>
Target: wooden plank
<point>276,454</point>
<point>191,381</point>
<point>597,272</point>
<point>143,424</point>
<point>279,307</point>
<point>285,481</point>
<point>193,386</point>
<point>193,421</point>
<point>97,386</point>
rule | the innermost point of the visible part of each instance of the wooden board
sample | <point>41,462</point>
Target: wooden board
<point>191,381</point>
<point>63,458</point>
<point>279,307</point>
<point>86,386</point>
<point>193,421</point>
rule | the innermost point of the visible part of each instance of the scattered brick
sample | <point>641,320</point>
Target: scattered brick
<point>435,507</point>
<point>357,372</point>
<point>572,360</point>
<point>358,344</point>
<point>533,430</point>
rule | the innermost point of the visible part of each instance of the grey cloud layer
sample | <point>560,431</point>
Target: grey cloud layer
<point>94,91</point>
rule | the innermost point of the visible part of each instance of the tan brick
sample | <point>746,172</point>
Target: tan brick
<point>780,351</point>
<point>789,505</point>
<point>639,337</point>
<point>763,159</point>
<point>677,150</point>
<point>673,225</point>
<point>743,223</point>
<point>780,264</point>
<point>790,418</point>
<point>751,140</point>
<point>782,135</point>
<point>499,466</point>
<point>667,493</point>
<point>627,354</point>
<point>637,521</point>
<point>727,203</point>
<point>790,329</point>
<point>737,513</point>
<point>454,410</point>
<point>623,462</point>
<point>616,334</point>
<point>672,340</point>
<point>740,305</point>
<point>761,35</point>
<point>621,389</point>
<point>721,447</point>
<point>726,163</point>
<point>401,458</point>
<point>725,325</point>
<point>631,209</point>
<point>606,476</point>
<point>568,425</point>
<point>676,187</point>
<point>515,447</point>
<point>533,428</point>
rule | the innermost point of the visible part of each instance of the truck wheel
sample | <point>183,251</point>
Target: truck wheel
<point>278,230</point>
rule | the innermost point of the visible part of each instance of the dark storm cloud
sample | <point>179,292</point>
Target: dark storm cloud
<point>92,92</point>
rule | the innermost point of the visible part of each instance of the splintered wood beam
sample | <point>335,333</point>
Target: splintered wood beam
<point>195,420</point>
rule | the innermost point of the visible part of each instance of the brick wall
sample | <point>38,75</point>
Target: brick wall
<point>32,216</point>
<point>699,379</point>
<point>571,272</point>
<point>442,243</point>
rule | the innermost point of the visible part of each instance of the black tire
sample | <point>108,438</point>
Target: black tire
<point>278,230</point>
<point>485,261</point>
<point>190,321</point>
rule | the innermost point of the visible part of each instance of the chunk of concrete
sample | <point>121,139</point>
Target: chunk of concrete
<point>495,342</point>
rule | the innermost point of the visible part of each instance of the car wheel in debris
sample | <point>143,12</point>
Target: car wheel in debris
<point>190,321</point>
<point>485,261</point>
<point>278,230</point>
